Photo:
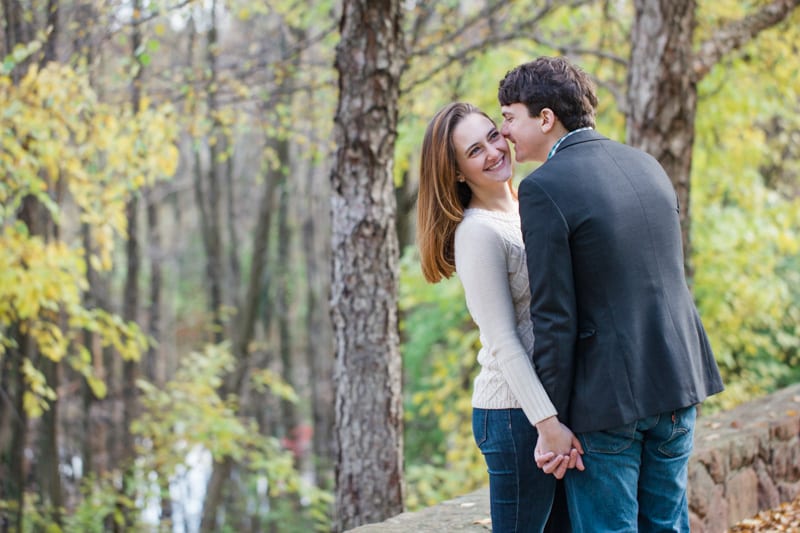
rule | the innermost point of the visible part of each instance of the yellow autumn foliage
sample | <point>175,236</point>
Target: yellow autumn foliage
<point>60,145</point>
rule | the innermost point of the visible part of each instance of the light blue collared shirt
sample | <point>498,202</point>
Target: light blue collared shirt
<point>558,142</point>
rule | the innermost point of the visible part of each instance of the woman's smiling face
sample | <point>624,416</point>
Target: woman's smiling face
<point>482,153</point>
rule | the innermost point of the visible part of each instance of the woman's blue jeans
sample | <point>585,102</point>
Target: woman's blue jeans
<point>523,498</point>
<point>635,477</point>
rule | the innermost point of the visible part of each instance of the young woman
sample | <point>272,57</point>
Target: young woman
<point>468,222</point>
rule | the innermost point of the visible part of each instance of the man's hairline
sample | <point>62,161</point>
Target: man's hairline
<point>527,109</point>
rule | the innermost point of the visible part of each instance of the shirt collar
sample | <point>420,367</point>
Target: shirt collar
<point>558,142</point>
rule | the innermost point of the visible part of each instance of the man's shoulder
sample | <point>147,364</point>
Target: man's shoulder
<point>542,179</point>
<point>619,147</point>
<point>533,179</point>
<point>588,154</point>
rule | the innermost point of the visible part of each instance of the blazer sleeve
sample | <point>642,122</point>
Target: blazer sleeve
<point>553,309</point>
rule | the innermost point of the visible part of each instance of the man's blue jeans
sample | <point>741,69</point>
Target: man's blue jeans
<point>635,477</point>
<point>522,497</point>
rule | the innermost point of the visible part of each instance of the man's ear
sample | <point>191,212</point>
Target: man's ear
<point>548,119</point>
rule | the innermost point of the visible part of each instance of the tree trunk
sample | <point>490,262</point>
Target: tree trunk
<point>662,94</point>
<point>212,226</point>
<point>208,206</point>
<point>156,276</point>
<point>130,305</point>
<point>17,30</point>
<point>13,418</point>
<point>123,393</point>
<point>663,75</point>
<point>214,494</point>
<point>211,241</point>
<point>234,248</point>
<point>207,186</point>
<point>48,462</point>
<point>283,298</point>
<point>53,33</point>
<point>369,473</point>
<point>95,439</point>
<point>12,454</point>
<point>48,471</point>
<point>153,369</point>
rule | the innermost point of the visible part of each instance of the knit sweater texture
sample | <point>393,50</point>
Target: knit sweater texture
<point>491,264</point>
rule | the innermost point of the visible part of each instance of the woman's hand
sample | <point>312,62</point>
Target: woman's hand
<point>557,448</point>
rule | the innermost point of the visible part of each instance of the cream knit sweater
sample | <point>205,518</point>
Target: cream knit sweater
<point>491,264</point>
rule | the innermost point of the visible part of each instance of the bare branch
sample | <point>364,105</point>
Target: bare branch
<point>737,33</point>
<point>520,30</point>
<point>574,50</point>
<point>617,92</point>
<point>448,38</point>
<point>242,65</point>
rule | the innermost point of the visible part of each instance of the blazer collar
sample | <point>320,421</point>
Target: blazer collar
<point>581,137</point>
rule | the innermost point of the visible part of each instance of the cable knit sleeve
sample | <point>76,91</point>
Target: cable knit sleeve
<point>481,264</point>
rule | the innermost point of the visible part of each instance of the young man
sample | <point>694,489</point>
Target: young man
<point>619,345</point>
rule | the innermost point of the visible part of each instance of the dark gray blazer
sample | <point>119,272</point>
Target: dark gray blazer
<point>617,334</point>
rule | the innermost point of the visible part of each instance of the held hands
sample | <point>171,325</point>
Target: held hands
<point>557,449</point>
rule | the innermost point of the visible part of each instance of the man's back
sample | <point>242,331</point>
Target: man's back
<point>631,333</point>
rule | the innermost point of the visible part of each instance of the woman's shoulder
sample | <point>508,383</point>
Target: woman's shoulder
<point>476,215</point>
<point>481,227</point>
<point>498,220</point>
<point>483,223</point>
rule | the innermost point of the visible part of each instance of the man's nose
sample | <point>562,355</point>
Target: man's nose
<point>504,129</point>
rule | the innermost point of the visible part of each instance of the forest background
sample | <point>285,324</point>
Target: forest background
<point>175,351</point>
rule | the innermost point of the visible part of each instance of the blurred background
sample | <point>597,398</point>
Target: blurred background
<point>166,346</point>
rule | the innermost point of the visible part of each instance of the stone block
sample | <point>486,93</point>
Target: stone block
<point>785,455</point>
<point>787,426</point>
<point>741,493</point>
<point>716,521</point>
<point>788,491</point>
<point>743,451</point>
<point>768,494</point>
<point>716,462</point>
<point>700,489</point>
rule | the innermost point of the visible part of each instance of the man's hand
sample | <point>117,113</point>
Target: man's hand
<point>557,448</point>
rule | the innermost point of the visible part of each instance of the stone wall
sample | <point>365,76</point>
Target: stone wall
<point>745,460</point>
